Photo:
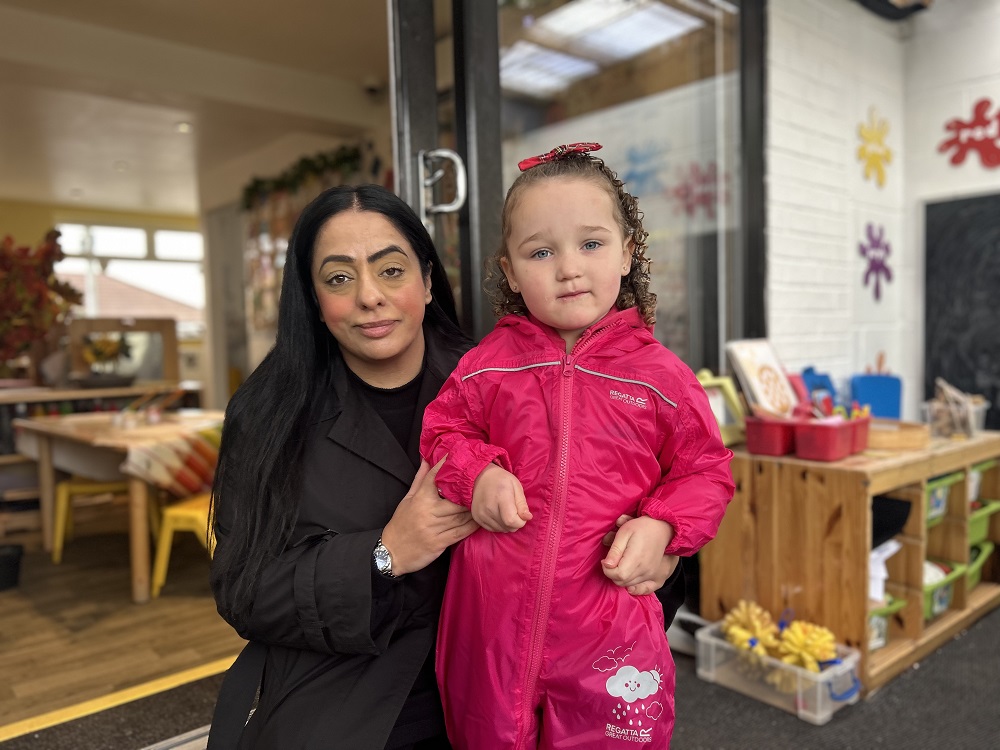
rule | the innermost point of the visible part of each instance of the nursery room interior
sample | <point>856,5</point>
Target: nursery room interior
<point>820,180</point>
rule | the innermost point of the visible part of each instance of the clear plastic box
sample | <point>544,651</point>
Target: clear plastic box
<point>812,696</point>
<point>933,411</point>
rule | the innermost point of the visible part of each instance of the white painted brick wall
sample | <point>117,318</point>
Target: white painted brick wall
<point>952,60</point>
<point>829,62</point>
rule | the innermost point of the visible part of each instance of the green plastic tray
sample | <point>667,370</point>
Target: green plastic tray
<point>936,496</point>
<point>979,522</point>
<point>936,599</point>
<point>975,573</point>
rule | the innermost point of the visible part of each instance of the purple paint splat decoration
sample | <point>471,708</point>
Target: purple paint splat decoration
<point>877,253</point>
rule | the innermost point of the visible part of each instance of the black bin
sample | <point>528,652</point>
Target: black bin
<point>10,565</point>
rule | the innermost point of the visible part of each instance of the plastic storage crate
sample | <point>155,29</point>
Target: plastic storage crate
<point>937,596</point>
<point>878,623</point>
<point>979,522</point>
<point>936,496</point>
<point>824,441</point>
<point>978,556</point>
<point>813,697</point>
<point>770,437</point>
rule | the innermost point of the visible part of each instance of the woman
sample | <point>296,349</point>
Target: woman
<point>330,541</point>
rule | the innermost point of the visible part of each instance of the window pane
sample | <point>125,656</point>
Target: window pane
<point>72,266</point>
<point>662,95</point>
<point>73,238</point>
<point>119,241</point>
<point>178,245</point>
<point>181,283</point>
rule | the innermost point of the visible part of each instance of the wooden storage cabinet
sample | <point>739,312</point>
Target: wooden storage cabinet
<point>798,535</point>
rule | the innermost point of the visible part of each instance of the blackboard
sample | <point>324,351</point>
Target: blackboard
<point>962,331</point>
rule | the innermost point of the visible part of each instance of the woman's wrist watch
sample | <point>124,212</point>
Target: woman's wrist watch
<point>382,559</point>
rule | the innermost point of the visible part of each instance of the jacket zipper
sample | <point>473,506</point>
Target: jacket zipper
<point>544,598</point>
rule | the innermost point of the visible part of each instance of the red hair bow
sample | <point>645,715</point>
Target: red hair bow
<point>559,152</point>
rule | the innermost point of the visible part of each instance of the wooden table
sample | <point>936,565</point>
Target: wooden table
<point>94,446</point>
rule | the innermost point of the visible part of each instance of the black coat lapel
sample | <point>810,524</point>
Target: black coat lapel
<point>359,429</point>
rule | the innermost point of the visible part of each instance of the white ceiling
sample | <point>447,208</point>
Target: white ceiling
<point>346,38</point>
<point>67,136</point>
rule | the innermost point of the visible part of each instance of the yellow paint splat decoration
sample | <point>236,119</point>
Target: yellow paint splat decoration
<point>873,152</point>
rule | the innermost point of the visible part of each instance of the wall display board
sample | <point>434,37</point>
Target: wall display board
<point>962,291</point>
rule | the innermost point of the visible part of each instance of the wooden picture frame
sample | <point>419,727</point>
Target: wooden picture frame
<point>762,377</point>
<point>79,328</point>
<point>726,406</point>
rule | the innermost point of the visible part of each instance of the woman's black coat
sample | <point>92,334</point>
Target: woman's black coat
<point>341,660</point>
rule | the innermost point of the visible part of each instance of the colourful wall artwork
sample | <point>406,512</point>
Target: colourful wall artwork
<point>697,187</point>
<point>876,251</point>
<point>981,134</point>
<point>873,153</point>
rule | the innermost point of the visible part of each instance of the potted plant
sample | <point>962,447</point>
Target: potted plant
<point>32,300</point>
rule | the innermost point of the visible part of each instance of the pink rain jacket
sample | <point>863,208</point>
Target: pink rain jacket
<point>536,646</point>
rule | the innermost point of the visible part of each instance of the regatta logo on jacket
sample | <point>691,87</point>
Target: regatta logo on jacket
<point>629,735</point>
<point>630,400</point>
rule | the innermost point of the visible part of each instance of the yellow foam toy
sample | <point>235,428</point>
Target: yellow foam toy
<point>805,645</point>
<point>749,627</point>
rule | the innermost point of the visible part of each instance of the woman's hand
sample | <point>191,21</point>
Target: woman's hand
<point>644,569</point>
<point>424,524</point>
<point>498,502</point>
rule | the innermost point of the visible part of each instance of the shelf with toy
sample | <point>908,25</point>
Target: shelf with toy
<point>799,534</point>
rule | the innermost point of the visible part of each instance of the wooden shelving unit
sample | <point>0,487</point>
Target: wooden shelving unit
<point>797,536</point>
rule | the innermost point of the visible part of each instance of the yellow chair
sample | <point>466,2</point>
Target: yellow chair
<point>190,514</point>
<point>65,491</point>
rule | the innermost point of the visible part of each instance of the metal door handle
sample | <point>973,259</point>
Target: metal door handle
<point>427,179</point>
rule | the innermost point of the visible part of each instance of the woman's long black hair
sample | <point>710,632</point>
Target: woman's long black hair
<point>255,489</point>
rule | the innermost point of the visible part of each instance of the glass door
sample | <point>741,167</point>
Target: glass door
<point>657,82</point>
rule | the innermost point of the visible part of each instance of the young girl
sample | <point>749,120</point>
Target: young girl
<point>568,415</point>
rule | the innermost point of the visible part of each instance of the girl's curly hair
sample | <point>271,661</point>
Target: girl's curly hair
<point>634,291</point>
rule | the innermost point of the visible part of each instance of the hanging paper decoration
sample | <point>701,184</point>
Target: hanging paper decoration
<point>980,134</point>
<point>332,167</point>
<point>876,252</point>
<point>873,152</point>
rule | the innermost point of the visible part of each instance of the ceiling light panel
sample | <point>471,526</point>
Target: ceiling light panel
<point>533,70</point>
<point>613,30</point>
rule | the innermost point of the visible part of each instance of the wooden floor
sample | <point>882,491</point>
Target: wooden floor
<point>70,633</point>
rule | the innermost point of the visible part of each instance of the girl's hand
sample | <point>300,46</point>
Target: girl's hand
<point>424,524</point>
<point>498,502</point>
<point>636,560</point>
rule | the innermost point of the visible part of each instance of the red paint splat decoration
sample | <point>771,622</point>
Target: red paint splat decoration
<point>697,187</point>
<point>559,152</point>
<point>981,134</point>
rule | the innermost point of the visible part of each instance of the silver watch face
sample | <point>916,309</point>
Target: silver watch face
<point>383,561</point>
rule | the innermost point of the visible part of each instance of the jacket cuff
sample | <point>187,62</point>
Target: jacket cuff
<point>361,617</point>
<point>456,480</point>
<point>656,508</point>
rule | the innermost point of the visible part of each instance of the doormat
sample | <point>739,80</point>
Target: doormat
<point>136,717</point>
